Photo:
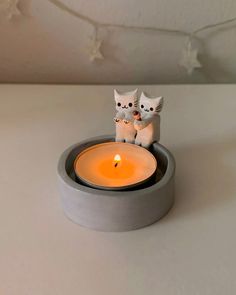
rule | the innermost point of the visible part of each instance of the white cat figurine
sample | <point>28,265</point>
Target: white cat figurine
<point>126,103</point>
<point>148,125</point>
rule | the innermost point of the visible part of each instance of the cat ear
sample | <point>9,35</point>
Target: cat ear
<point>116,94</point>
<point>160,102</point>
<point>135,92</point>
<point>142,95</point>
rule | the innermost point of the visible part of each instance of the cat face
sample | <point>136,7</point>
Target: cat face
<point>150,106</point>
<point>127,101</point>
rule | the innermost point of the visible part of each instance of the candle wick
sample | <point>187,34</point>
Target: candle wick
<point>116,164</point>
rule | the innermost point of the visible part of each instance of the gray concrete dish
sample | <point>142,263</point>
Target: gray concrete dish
<point>115,210</point>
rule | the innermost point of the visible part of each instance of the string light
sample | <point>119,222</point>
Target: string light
<point>94,49</point>
<point>189,57</point>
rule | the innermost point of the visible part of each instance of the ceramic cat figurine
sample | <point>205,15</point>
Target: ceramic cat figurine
<point>126,103</point>
<point>148,124</point>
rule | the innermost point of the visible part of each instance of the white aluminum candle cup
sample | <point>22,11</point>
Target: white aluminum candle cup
<point>108,210</point>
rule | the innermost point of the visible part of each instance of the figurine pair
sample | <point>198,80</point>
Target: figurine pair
<point>137,121</point>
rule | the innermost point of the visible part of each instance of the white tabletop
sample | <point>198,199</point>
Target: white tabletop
<point>191,251</point>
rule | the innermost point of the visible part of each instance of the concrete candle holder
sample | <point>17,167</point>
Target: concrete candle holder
<point>108,210</point>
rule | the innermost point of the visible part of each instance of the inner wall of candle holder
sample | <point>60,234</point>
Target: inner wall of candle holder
<point>162,163</point>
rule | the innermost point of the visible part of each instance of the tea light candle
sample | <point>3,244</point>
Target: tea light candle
<point>115,166</point>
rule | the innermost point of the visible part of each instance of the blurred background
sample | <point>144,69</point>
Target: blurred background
<point>43,42</point>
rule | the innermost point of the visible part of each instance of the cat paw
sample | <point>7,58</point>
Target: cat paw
<point>116,120</point>
<point>126,121</point>
<point>139,125</point>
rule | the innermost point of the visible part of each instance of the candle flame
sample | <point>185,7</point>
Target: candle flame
<point>117,158</point>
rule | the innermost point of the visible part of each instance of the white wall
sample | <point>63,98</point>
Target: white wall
<point>49,45</point>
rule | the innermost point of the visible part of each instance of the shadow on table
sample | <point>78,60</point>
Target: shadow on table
<point>205,178</point>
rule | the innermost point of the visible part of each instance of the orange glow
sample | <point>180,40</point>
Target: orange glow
<point>114,165</point>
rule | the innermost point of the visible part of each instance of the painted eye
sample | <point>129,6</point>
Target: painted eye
<point>142,106</point>
<point>130,104</point>
<point>119,104</point>
<point>151,109</point>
